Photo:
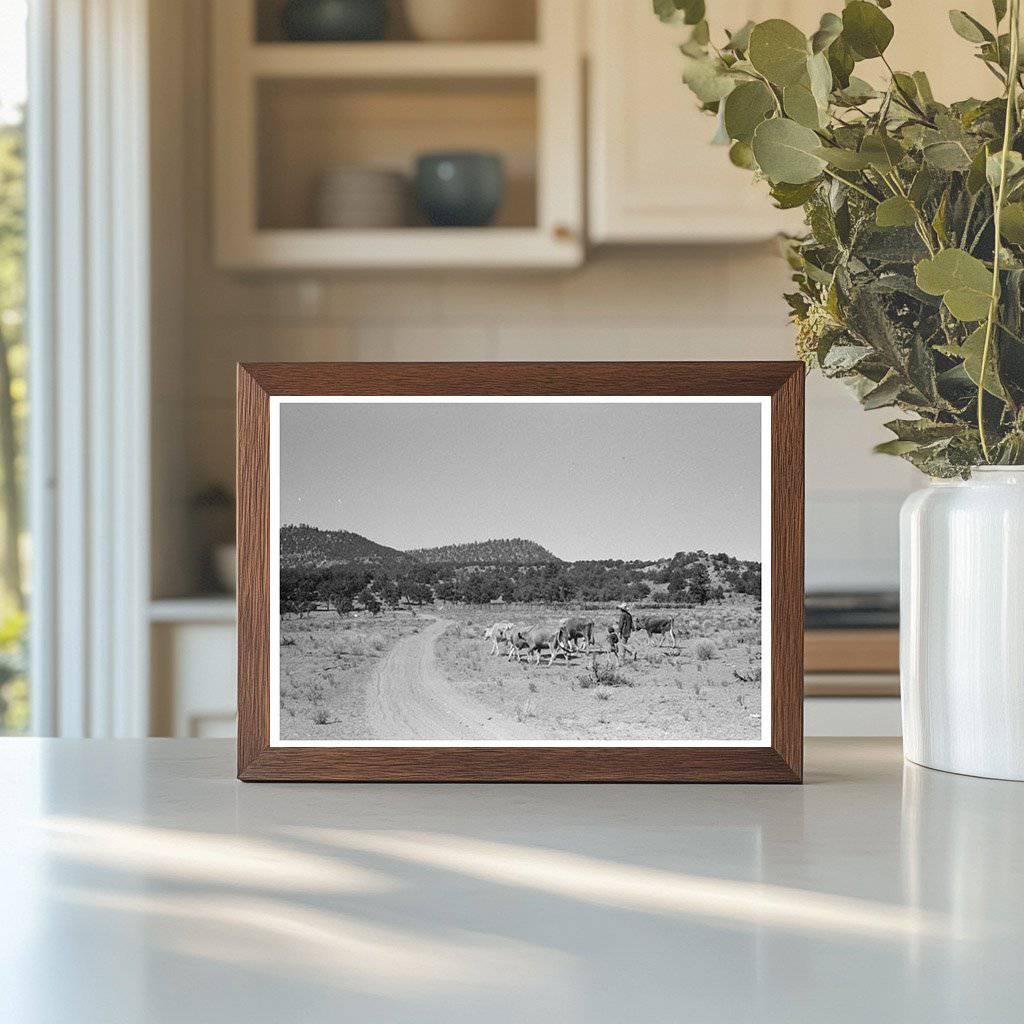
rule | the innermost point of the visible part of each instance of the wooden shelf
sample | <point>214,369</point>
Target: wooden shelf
<point>393,60</point>
<point>318,248</point>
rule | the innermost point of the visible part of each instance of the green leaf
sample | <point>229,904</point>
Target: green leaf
<point>819,74</point>
<point>883,152</point>
<point>885,394</point>
<point>745,108</point>
<point>1012,224</point>
<point>787,152</point>
<point>895,212</point>
<point>924,88</point>
<point>741,155</point>
<point>801,106</point>
<point>939,220</point>
<point>857,91</point>
<point>707,78</point>
<point>947,156</point>
<point>666,10</point>
<point>739,41</point>
<point>779,51</point>
<point>976,173</point>
<point>922,431</point>
<point>963,281</point>
<point>829,30</point>
<point>788,197</point>
<point>971,351</point>
<point>841,63</point>
<point>993,167</point>
<point>922,185</point>
<point>895,447</point>
<point>866,29</point>
<point>701,34</point>
<point>969,28</point>
<point>689,12</point>
<point>844,159</point>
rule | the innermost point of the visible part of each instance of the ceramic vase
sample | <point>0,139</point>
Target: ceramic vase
<point>962,624</point>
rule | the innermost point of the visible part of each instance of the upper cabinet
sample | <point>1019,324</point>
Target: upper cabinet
<point>654,176</point>
<point>316,144</point>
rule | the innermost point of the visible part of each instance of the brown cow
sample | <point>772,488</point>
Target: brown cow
<point>658,625</point>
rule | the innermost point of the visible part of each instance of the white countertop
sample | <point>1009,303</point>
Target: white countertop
<point>140,882</point>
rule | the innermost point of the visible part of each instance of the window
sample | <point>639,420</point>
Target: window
<point>14,548</point>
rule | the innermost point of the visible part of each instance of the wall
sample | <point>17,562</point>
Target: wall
<point>651,303</point>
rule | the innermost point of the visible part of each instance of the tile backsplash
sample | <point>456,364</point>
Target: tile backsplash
<point>709,303</point>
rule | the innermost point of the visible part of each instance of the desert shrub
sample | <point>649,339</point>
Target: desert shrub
<point>705,650</point>
<point>603,674</point>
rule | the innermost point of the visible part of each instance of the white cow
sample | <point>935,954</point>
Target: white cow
<point>498,633</point>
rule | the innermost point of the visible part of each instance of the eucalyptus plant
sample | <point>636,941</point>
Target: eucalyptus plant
<point>910,277</point>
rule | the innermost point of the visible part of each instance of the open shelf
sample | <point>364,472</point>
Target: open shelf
<point>309,127</point>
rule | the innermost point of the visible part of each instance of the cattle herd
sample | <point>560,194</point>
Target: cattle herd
<point>575,633</point>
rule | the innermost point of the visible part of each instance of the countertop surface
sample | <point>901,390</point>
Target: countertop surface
<point>140,882</point>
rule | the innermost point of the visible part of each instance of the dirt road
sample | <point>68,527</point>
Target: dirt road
<point>411,699</point>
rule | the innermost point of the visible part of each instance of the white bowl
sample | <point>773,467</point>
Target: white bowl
<point>362,198</point>
<point>471,20</point>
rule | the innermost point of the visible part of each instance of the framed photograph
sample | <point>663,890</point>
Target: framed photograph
<point>578,572</point>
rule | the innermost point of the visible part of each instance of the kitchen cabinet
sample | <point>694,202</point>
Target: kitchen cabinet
<point>653,177</point>
<point>286,114</point>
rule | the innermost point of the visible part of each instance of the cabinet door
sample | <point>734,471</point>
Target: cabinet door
<point>654,176</point>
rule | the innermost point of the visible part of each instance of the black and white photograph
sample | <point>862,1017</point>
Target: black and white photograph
<point>503,571</point>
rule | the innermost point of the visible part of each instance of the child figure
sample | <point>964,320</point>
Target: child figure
<point>618,644</point>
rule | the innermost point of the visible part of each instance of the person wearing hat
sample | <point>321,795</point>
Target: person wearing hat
<point>625,623</point>
<point>625,629</point>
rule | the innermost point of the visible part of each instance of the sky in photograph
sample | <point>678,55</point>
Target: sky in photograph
<point>585,480</point>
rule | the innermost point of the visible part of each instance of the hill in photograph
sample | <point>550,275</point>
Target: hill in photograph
<point>488,552</point>
<point>308,547</point>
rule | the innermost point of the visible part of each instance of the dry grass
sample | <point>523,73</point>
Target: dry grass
<point>326,662</point>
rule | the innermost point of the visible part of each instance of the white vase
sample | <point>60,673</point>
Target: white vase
<point>962,624</point>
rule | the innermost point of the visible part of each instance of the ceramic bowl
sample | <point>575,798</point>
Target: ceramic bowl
<point>460,189</point>
<point>470,20</point>
<point>333,21</point>
<point>360,197</point>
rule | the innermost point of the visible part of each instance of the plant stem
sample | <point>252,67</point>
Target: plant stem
<point>1011,109</point>
<point>853,185</point>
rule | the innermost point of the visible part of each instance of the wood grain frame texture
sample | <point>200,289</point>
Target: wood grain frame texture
<point>782,761</point>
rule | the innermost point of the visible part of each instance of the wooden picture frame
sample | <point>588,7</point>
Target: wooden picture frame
<point>779,759</point>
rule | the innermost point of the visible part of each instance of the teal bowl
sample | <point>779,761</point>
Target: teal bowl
<point>460,189</point>
<point>334,21</point>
